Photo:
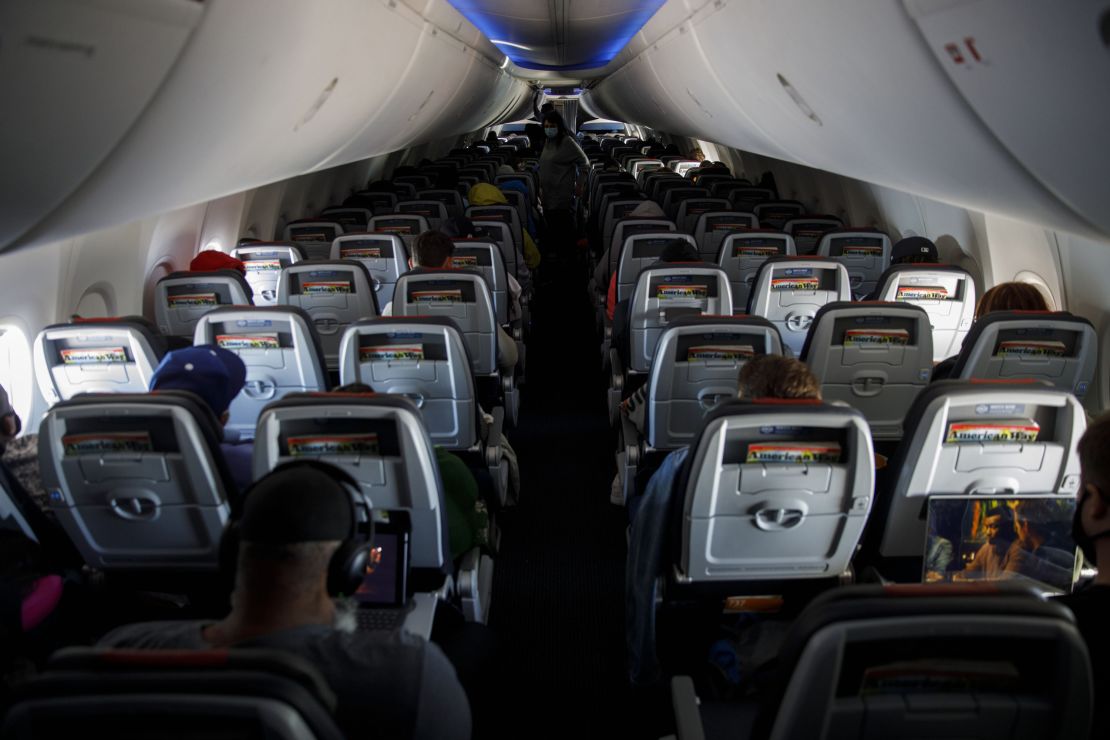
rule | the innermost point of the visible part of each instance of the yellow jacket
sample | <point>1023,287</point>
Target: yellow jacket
<point>484,194</point>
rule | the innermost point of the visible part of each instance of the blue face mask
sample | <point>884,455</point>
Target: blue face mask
<point>551,132</point>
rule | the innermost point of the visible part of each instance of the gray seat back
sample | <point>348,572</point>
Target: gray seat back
<point>137,480</point>
<point>313,236</point>
<point>691,209</point>
<point>181,298</point>
<point>281,349</point>
<point>1002,438</point>
<point>788,291</point>
<point>379,440</point>
<point>460,295</point>
<point>874,356</point>
<point>407,226</point>
<point>506,214</point>
<point>264,262</point>
<point>644,165</point>
<point>697,366</point>
<point>500,233</point>
<point>777,490</point>
<point>712,227</point>
<point>433,210</point>
<point>665,293</point>
<point>613,211</point>
<point>424,359</point>
<point>630,227</point>
<point>946,292</point>
<point>808,230</point>
<point>747,198</point>
<point>485,258</point>
<point>674,197</point>
<point>334,293</point>
<point>773,214</point>
<point>1056,347</point>
<point>96,356</point>
<point>864,253</point>
<point>383,255</point>
<point>451,200</point>
<point>640,251</point>
<point>353,220</point>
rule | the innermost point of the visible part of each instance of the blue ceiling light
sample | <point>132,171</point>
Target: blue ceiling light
<point>559,35</point>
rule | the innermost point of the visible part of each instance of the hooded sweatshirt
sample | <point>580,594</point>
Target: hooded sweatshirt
<point>484,194</point>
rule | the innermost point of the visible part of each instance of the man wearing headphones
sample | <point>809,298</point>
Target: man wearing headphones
<point>297,547</point>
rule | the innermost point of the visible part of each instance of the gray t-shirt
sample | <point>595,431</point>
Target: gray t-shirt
<point>388,684</point>
<point>557,170</point>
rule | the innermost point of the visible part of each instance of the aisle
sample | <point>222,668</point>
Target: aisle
<point>558,592</point>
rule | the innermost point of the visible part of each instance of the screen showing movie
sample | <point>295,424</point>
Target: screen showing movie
<point>997,539</point>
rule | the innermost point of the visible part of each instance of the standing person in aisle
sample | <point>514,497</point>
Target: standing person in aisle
<point>563,168</point>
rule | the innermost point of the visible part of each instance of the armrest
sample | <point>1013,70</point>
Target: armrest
<point>493,436</point>
<point>687,717</point>
<point>616,370</point>
<point>630,439</point>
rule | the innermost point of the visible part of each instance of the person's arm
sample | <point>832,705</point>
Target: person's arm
<point>506,351</point>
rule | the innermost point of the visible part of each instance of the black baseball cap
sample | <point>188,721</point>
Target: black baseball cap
<point>913,246</point>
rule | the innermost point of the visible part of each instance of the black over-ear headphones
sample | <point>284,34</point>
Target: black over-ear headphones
<point>347,566</point>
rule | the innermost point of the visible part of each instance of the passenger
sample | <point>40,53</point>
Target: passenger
<point>462,227</point>
<point>216,375</point>
<point>484,194</point>
<point>765,376</point>
<point>562,175</point>
<point>914,250</point>
<point>1091,531</point>
<point>467,516</point>
<point>388,684</point>
<point>697,155</point>
<point>432,250</point>
<point>1012,296</point>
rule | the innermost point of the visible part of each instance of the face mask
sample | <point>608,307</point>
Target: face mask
<point>1085,541</point>
<point>551,132</point>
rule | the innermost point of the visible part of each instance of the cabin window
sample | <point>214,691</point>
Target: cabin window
<point>16,374</point>
<point>1038,282</point>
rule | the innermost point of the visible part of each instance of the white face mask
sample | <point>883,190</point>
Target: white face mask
<point>551,132</point>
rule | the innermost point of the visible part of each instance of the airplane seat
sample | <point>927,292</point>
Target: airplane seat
<point>645,165</point>
<point>264,262</point>
<point>774,214</point>
<point>747,198</point>
<point>1001,438</point>
<point>613,211</point>
<point>279,346</point>
<point>352,219</point>
<point>501,234</point>
<point>873,356</point>
<point>181,298</point>
<point>334,293</point>
<point>101,355</point>
<point>520,202</point>
<point>690,211</point>
<point>696,366</point>
<point>506,214</point>
<point>711,228</point>
<point>788,291</point>
<point>383,255</point>
<point>137,480</point>
<point>380,441</point>
<point>425,359</point>
<point>866,661</point>
<point>639,251</point>
<point>485,257</point>
<point>625,228</point>
<point>665,292</point>
<point>803,477</point>
<point>313,236</point>
<point>245,693</point>
<point>675,197</point>
<point>451,200</point>
<point>433,210</point>
<point>416,182</point>
<point>864,252</point>
<point>378,201</point>
<point>1054,346</point>
<point>946,292</point>
<point>808,230</point>
<point>408,226</point>
<point>465,297</point>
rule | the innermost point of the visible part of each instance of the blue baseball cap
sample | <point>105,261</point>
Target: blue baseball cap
<point>213,373</point>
